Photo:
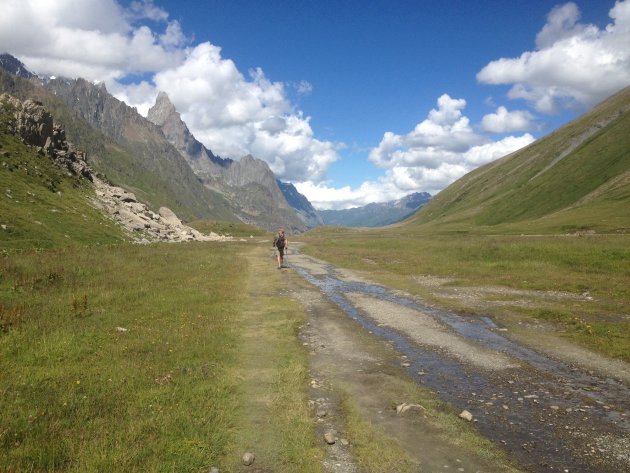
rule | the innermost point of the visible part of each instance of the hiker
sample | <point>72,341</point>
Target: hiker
<point>280,243</point>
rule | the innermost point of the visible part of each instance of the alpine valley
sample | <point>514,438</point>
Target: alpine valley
<point>163,164</point>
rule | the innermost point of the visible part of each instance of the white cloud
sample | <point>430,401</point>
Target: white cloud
<point>573,63</point>
<point>324,197</point>
<point>304,87</point>
<point>93,39</point>
<point>230,113</point>
<point>442,136</point>
<point>562,22</point>
<point>504,121</point>
<point>488,152</point>
<point>234,116</point>
<point>146,9</point>
<point>439,150</point>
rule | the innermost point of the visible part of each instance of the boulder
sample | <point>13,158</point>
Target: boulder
<point>169,216</point>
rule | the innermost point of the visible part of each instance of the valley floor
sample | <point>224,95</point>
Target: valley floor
<point>185,357</point>
<point>391,374</point>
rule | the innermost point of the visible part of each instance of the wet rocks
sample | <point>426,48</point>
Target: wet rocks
<point>330,438</point>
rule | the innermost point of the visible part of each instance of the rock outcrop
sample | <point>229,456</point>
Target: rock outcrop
<point>131,150</point>
<point>305,210</point>
<point>35,127</point>
<point>144,224</point>
<point>248,183</point>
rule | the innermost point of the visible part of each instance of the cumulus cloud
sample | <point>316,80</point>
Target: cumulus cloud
<point>325,197</point>
<point>504,121</point>
<point>574,63</point>
<point>439,150</point>
<point>93,39</point>
<point>442,136</point>
<point>234,115</point>
<point>231,113</point>
<point>443,147</point>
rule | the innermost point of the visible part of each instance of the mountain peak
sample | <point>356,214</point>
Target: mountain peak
<point>13,65</point>
<point>162,110</point>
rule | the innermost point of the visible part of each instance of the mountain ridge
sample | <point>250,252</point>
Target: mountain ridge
<point>136,154</point>
<point>575,178</point>
<point>377,214</point>
<point>305,210</point>
<point>248,183</point>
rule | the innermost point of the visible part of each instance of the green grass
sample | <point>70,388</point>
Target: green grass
<point>41,206</point>
<point>274,421</point>
<point>374,450</point>
<point>599,266</point>
<point>166,395</point>
<point>576,178</point>
<point>237,230</point>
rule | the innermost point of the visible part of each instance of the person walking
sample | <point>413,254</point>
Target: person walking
<point>281,244</point>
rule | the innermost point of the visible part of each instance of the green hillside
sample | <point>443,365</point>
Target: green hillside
<point>41,206</point>
<point>576,178</point>
<point>141,161</point>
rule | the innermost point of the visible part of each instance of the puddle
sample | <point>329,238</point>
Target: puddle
<point>548,415</point>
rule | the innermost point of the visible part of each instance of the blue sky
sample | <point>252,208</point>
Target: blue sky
<point>352,101</point>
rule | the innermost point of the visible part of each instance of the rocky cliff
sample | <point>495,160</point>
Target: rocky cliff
<point>248,183</point>
<point>14,66</point>
<point>35,127</point>
<point>130,150</point>
<point>301,205</point>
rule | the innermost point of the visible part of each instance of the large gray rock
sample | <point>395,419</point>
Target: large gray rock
<point>169,216</point>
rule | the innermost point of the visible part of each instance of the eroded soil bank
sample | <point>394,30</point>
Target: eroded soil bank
<point>547,413</point>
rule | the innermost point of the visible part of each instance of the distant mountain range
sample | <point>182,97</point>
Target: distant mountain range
<point>377,214</point>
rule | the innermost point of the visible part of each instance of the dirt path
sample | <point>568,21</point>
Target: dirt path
<point>371,345</point>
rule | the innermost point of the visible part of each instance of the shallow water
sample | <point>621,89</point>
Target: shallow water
<point>547,414</point>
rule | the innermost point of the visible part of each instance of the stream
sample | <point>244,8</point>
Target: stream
<point>548,415</point>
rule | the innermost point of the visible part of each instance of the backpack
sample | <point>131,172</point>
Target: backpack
<point>278,242</point>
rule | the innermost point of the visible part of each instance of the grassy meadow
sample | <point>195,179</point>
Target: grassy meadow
<point>236,230</point>
<point>41,206</point>
<point>595,267</point>
<point>130,358</point>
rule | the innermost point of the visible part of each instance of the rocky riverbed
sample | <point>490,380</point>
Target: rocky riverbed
<point>547,412</point>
